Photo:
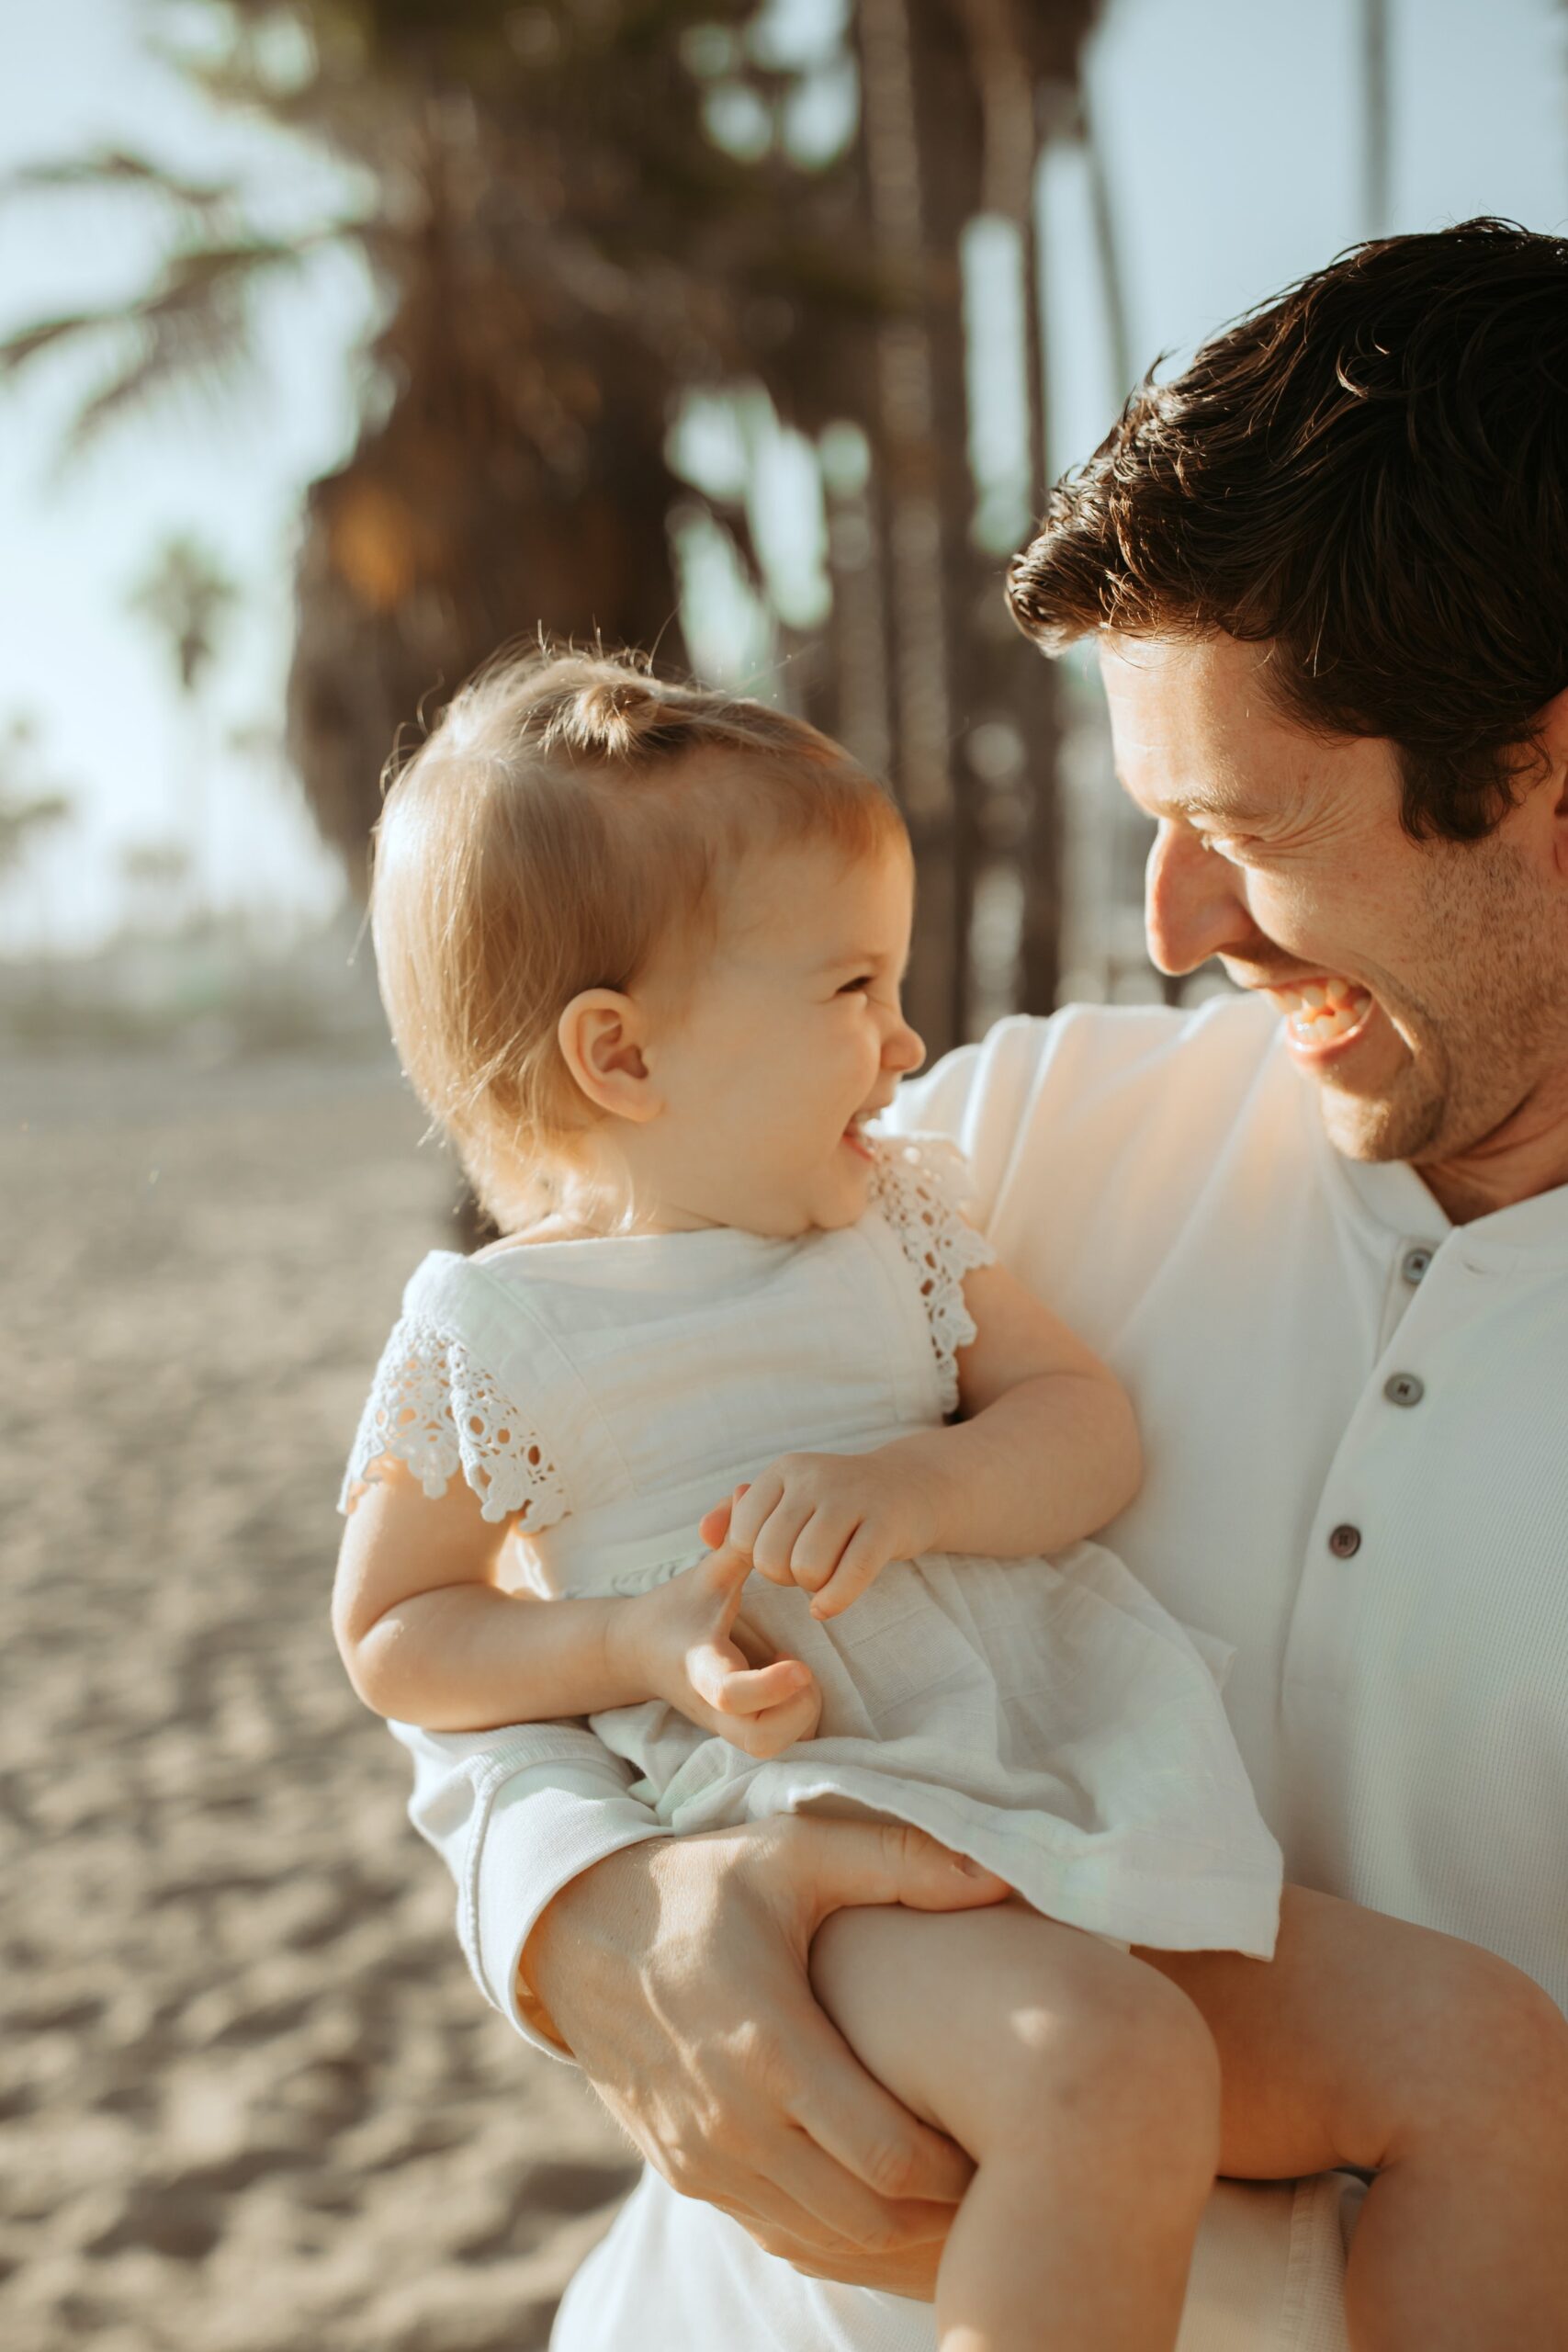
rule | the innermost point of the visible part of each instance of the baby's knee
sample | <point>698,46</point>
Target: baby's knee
<point>1130,2067</point>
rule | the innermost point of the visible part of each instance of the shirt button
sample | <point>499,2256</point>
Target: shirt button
<point>1413,1264</point>
<point>1345,1542</point>
<point>1404,1388</point>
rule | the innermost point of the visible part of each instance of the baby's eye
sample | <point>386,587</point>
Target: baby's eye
<point>850,987</point>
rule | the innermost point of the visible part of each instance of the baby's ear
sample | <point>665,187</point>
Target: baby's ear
<point>601,1034</point>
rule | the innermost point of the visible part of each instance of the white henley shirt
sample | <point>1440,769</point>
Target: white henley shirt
<point>1353,1417</point>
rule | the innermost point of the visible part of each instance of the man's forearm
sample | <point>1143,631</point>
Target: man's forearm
<point>516,1816</point>
<point>678,1977</point>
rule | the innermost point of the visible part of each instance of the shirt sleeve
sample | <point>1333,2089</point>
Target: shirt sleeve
<point>516,1816</point>
<point>438,1404</point>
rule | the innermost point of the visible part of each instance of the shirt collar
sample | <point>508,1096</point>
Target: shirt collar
<point>1532,1232</point>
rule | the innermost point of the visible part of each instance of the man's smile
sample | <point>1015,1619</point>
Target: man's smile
<point>1324,1015</point>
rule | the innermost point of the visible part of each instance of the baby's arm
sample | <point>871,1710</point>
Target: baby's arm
<point>1047,1451</point>
<point>429,1637</point>
<point>1048,1447</point>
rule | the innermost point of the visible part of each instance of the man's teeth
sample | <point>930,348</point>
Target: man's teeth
<point>1321,1011</point>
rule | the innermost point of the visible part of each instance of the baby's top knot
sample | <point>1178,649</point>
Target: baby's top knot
<point>609,718</point>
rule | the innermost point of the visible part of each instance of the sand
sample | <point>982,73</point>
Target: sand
<point>249,2098</point>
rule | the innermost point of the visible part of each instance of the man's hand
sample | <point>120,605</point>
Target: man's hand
<point>676,1975</point>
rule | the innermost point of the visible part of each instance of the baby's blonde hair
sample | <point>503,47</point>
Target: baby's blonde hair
<point>567,817</point>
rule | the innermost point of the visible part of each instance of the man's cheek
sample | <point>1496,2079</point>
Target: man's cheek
<point>1302,922</point>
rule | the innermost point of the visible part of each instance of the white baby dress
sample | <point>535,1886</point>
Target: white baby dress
<point>1046,1717</point>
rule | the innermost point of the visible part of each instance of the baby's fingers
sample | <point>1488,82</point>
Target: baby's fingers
<point>713,1525</point>
<point>752,1507</point>
<point>761,1688</point>
<point>776,1728</point>
<point>749,1690</point>
<point>865,1556</point>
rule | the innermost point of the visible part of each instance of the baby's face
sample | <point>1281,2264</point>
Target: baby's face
<point>793,1036</point>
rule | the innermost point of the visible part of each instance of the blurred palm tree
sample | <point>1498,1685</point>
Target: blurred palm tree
<point>575,212</point>
<point>30,809</point>
<point>156,877</point>
<point>1376,116</point>
<point>26,812</point>
<point>185,596</point>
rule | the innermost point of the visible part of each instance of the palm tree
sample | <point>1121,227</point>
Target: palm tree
<point>185,596</point>
<point>29,810</point>
<point>950,127</point>
<point>25,812</point>
<point>156,876</point>
<point>575,213</point>
<point>1376,124</point>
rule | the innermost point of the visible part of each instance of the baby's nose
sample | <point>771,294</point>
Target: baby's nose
<point>905,1050</point>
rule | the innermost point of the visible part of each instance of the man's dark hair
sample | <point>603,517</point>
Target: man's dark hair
<point>1370,473</point>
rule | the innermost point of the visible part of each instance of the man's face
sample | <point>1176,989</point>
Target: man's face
<point>1424,985</point>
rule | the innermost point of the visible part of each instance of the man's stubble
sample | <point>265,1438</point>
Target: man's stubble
<point>1482,1009</point>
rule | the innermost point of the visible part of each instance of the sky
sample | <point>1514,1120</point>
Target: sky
<point>1231,130</point>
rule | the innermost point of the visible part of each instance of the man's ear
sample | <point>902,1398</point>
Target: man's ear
<point>601,1038</point>
<point>1552,736</point>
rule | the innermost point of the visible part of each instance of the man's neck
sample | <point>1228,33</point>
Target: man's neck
<point>1526,1154</point>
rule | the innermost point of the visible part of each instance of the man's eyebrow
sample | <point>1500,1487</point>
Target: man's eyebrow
<point>1231,808</point>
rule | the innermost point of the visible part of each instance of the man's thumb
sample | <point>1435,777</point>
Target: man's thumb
<point>889,1862</point>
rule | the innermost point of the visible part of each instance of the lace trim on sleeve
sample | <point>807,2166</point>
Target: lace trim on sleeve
<point>433,1406</point>
<point>920,1185</point>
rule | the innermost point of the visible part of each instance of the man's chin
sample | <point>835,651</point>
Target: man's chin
<point>1376,1127</point>
<point>1356,1131</point>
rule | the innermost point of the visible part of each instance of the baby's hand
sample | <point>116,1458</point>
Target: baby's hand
<point>828,1522</point>
<point>680,1639</point>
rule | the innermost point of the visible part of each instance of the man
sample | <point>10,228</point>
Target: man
<point>1321,1229</point>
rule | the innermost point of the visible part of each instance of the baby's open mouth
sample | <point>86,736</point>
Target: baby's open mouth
<point>857,1140</point>
<point>1321,1011</point>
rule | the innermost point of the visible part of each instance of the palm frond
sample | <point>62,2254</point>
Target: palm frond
<point>192,325</point>
<point>192,329</point>
<point>117,168</point>
<point>206,361</point>
<point>46,334</point>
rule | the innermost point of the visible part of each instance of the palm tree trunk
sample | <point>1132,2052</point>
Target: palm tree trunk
<point>1022,691</point>
<point>1375,122</point>
<point>919,622</point>
<point>859,639</point>
<point>1037,694</point>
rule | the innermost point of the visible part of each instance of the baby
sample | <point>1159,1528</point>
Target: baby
<point>741,1442</point>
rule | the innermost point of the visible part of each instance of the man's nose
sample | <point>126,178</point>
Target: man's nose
<point>1194,902</point>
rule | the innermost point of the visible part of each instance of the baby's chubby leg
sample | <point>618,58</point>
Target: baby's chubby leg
<point>1374,2043</point>
<point>1085,2088</point>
